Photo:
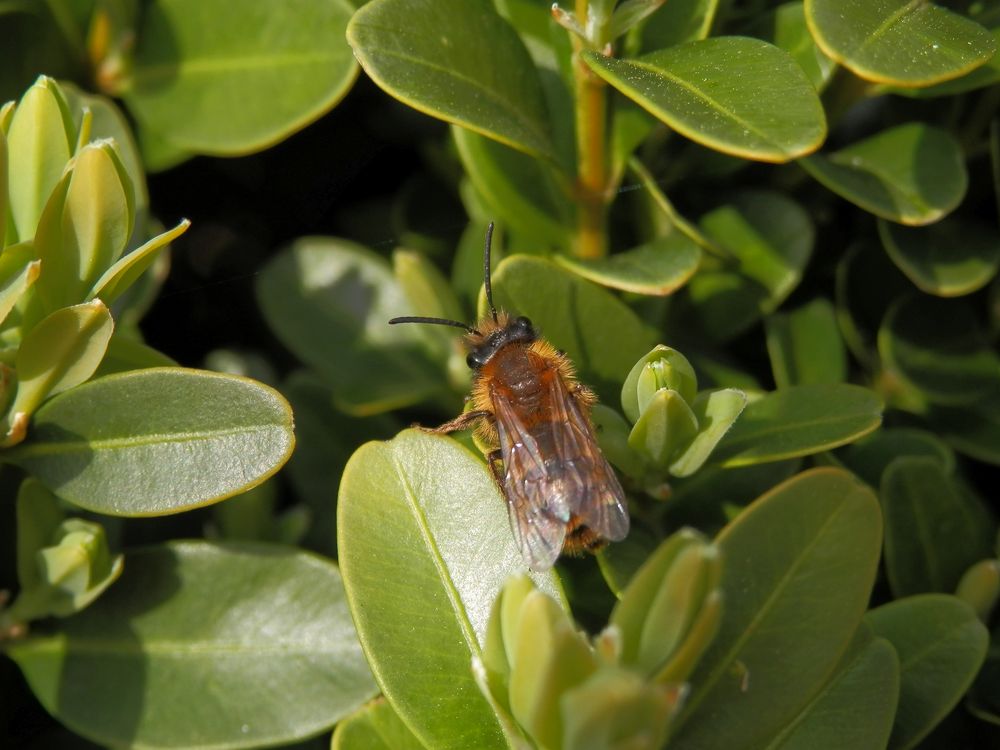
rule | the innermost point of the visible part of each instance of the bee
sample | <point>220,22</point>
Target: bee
<point>528,407</point>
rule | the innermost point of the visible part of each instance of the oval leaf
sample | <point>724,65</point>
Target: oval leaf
<point>598,331</point>
<point>330,302</point>
<point>900,42</point>
<point>716,411</point>
<point>457,60</point>
<point>425,547</point>
<point>799,421</point>
<point>941,645</point>
<point>660,267</point>
<point>974,430</point>
<point>870,456</point>
<point>948,258</point>
<point>521,191</point>
<point>157,441</point>
<point>212,81</point>
<point>266,628</point>
<point>375,727</point>
<point>779,640</point>
<point>934,529</point>
<point>805,346</point>
<point>938,347</point>
<point>912,174</point>
<point>855,708</point>
<point>778,119</point>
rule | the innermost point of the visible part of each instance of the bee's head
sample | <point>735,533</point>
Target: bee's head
<point>494,336</point>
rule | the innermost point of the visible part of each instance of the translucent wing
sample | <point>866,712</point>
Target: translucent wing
<point>554,470</point>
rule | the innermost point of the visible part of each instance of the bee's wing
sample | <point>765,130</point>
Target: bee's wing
<point>600,501</point>
<point>538,515</point>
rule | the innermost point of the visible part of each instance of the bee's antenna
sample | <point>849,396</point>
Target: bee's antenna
<point>435,321</point>
<point>486,271</point>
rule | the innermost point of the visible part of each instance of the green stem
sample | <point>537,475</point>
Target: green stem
<point>592,157</point>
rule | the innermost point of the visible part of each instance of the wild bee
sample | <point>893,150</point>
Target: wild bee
<point>527,405</point>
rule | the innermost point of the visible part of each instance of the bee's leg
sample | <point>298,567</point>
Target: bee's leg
<point>495,461</point>
<point>463,421</point>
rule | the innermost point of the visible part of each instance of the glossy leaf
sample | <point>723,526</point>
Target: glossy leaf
<point>600,334</point>
<point>665,425</point>
<point>61,352</point>
<point>40,140</point>
<point>425,547</point>
<point>659,267</point>
<point>457,60</point>
<point>157,441</point>
<point>912,174</point>
<point>855,708</point>
<point>938,347</point>
<point>978,78</point>
<point>375,726</point>
<point>805,346</point>
<point>948,258</point>
<point>330,302</point>
<point>771,238</point>
<point>120,276</point>
<point>934,530</point>
<point>819,531</point>
<point>210,81</point>
<point>898,41</point>
<point>523,192</point>
<point>718,110</point>
<point>941,646</point>
<point>266,626</point>
<point>799,421</point>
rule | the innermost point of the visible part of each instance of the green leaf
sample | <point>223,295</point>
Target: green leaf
<point>973,430</point>
<point>209,81</point>
<point>457,60</point>
<point>716,412</point>
<point>660,368</point>
<point>718,110</point>
<point>912,174</point>
<point>799,421</point>
<point>127,270</point>
<point>900,42</point>
<point>598,331</point>
<point>524,193</point>
<point>937,346</point>
<point>678,21</point>
<point>855,708</point>
<point>660,267</point>
<point>805,346</point>
<point>979,78</point>
<point>40,141</point>
<point>665,425</point>
<point>85,225</point>
<point>941,646</point>
<point>870,456</point>
<point>934,530</point>
<point>374,727</point>
<point>791,33</point>
<point>19,267</point>
<point>771,239</point>
<point>330,302</point>
<point>948,258</point>
<point>780,639</point>
<point>266,627</point>
<point>425,547</point>
<point>157,441</point>
<point>59,353</point>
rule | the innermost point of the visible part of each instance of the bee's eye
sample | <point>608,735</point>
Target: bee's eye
<point>473,361</point>
<point>523,322</point>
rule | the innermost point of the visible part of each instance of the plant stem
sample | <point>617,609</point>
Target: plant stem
<point>591,146</point>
